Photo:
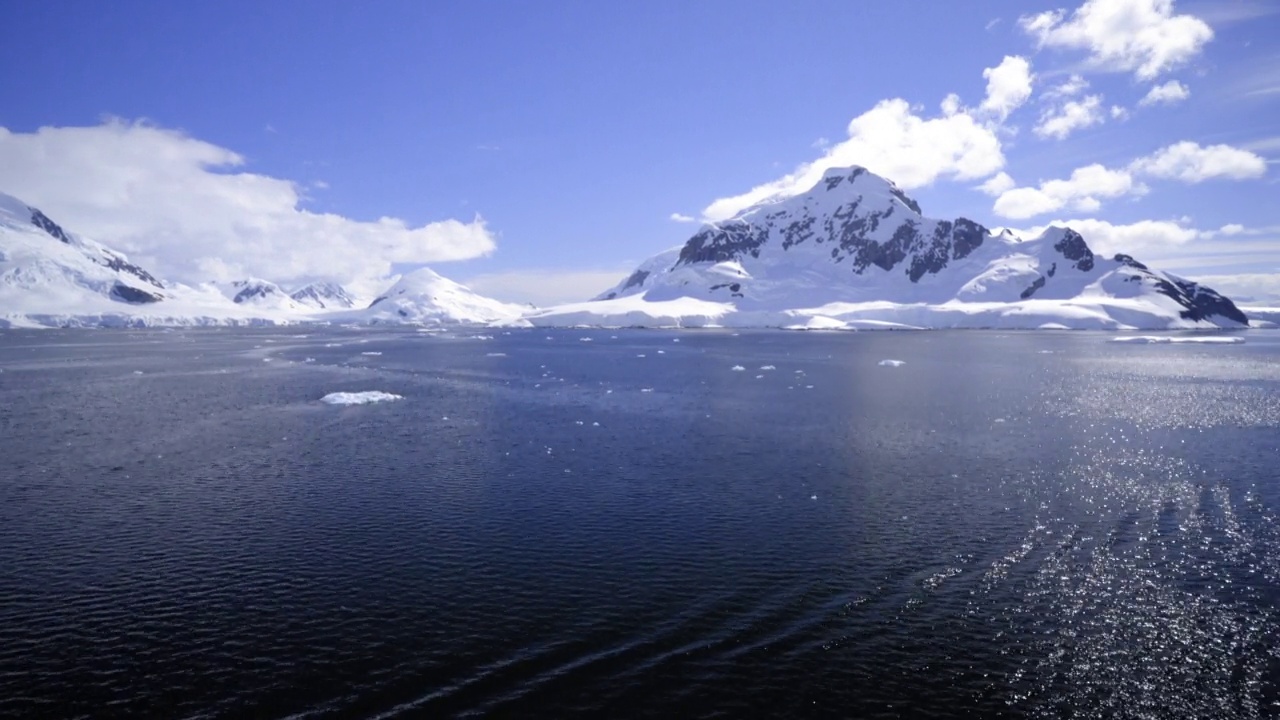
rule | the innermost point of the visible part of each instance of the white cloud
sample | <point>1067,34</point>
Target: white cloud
<point>682,218</point>
<point>1231,229</point>
<point>1107,238</point>
<point>1169,93</point>
<point>1081,192</point>
<point>1144,37</point>
<point>1073,86</point>
<point>1191,163</point>
<point>1185,161</point>
<point>998,184</point>
<point>1119,113</point>
<point>544,287</point>
<point>1008,86</point>
<point>1061,121</point>
<point>892,141</point>
<point>177,205</point>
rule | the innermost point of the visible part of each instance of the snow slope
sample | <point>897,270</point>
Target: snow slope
<point>423,297</point>
<point>855,251</point>
<point>323,296</point>
<point>51,277</point>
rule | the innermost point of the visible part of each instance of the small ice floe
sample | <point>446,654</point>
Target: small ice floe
<point>808,387</point>
<point>675,339</point>
<point>371,352</point>
<point>266,359</point>
<point>1163,339</point>
<point>137,372</point>
<point>738,368</point>
<point>308,360</point>
<point>892,363</point>
<point>333,344</point>
<point>646,389</point>
<point>1046,352</point>
<point>640,355</point>
<point>768,367</point>
<point>495,354</point>
<point>595,424</point>
<point>759,377</point>
<point>813,497</point>
<point>662,352</point>
<point>359,398</point>
<point>584,339</point>
<point>999,420</point>
<point>577,422</point>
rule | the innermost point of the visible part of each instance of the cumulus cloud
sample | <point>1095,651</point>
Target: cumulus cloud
<point>1071,87</point>
<point>1106,238</point>
<point>183,207</point>
<point>1168,93</point>
<point>1060,121</point>
<point>890,140</point>
<point>1144,37</point>
<point>1082,192</point>
<point>1190,163</point>
<point>1185,161</point>
<point>1008,86</point>
<point>682,218</point>
<point>998,184</point>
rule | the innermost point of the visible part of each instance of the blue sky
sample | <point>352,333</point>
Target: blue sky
<point>233,138</point>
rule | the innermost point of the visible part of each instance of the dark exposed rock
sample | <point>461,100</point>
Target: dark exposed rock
<point>119,264</point>
<point>132,295</point>
<point>43,222</point>
<point>724,242</point>
<point>1128,260</point>
<point>1053,268</point>
<point>1073,247</point>
<point>637,279</point>
<point>966,237</point>
<point>1039,283</point>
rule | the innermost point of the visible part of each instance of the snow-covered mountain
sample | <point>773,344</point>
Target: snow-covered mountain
<point>38,257</point>
<point>423,297</point>
<point>258,293</point>
<point>856,251</point>
<point>52,277</point>
<point>323,296</point>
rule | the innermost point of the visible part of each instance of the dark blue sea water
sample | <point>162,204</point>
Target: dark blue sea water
<point>593,523</point>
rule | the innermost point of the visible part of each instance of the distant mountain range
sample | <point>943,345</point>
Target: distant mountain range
<point>852,252</point>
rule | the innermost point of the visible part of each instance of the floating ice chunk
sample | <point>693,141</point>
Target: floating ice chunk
<point>137,372</point>
<point>813,497</point>
<point>1162,339</point>
<point>738,368</point>
<point>495,354</point>
<point>371,352</point>
<point>1046,352</point>
<point>892,363</point>
<point>999,420</point>
<point>768,367</point>
<point>359,398</point>
<point>308,360</point>
<point>333,344</point>
<point>584,339</point>
<point>595,424</point>
<point>662,352</point>
<point>577,422</point>
<point>646,389</point>
<point>675,339</point>
<point>640,355</point>
<point>759,376</point>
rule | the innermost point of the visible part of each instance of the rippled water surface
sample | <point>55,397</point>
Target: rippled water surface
<point>592,523</point>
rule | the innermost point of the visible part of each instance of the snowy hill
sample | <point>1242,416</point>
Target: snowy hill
<point>855,251</point>
<point>323,296</point>
<point>52,277</point>
<point>423,297</point>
